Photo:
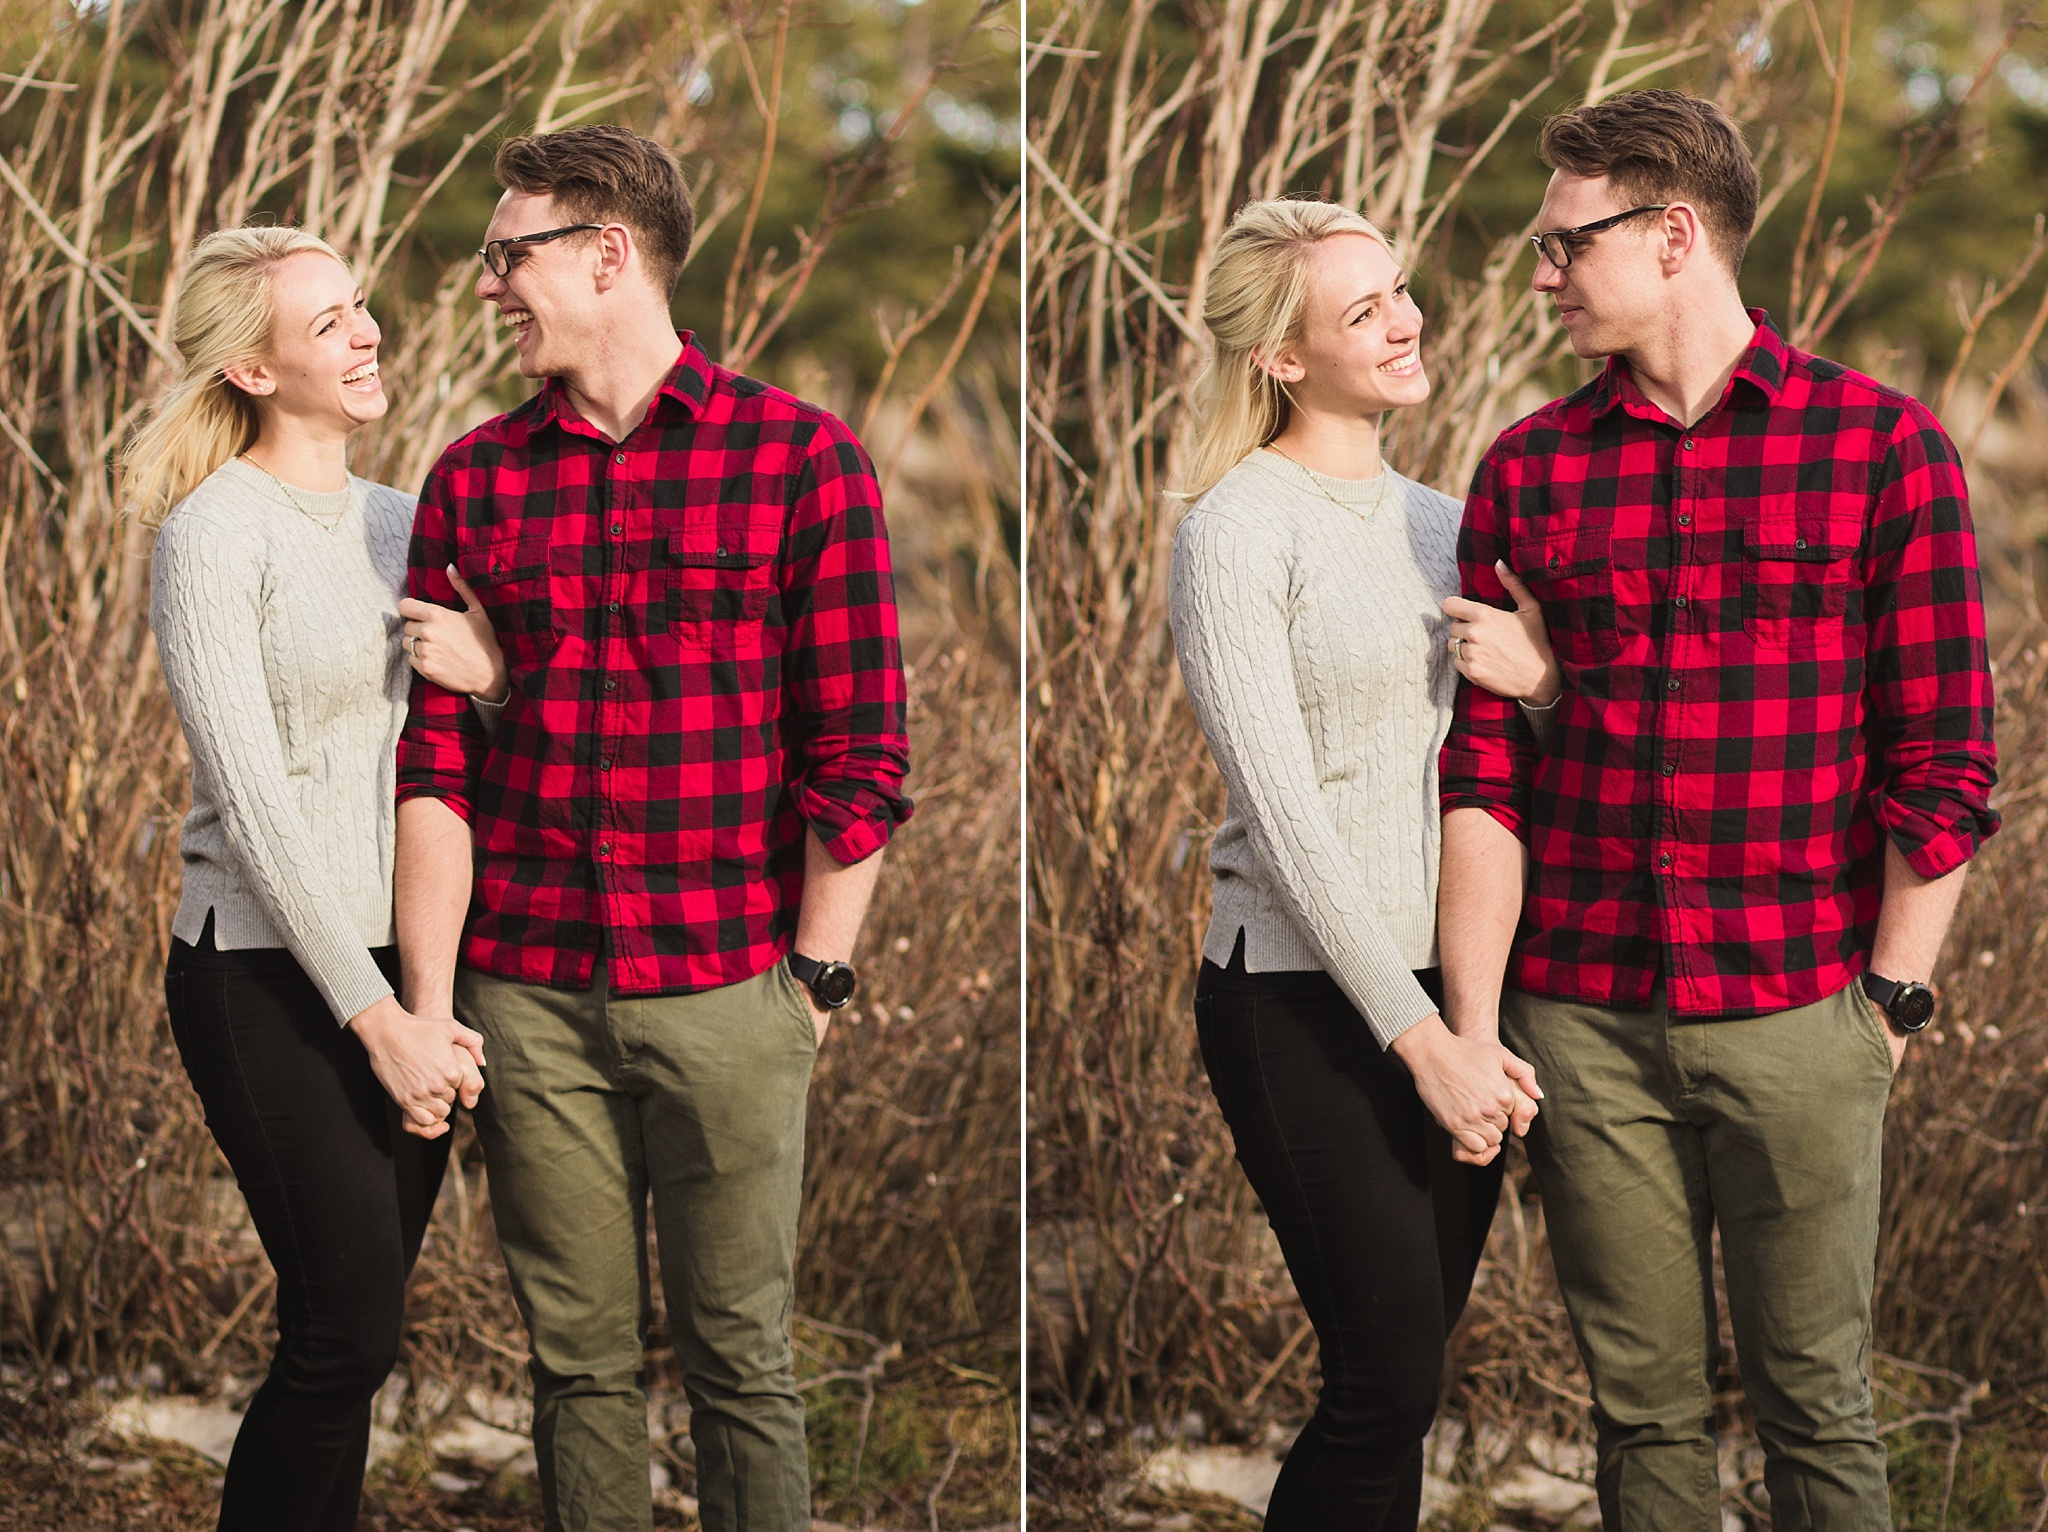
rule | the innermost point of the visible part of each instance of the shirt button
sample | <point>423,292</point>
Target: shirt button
<point>1664,860</point>
<point>1670,768</point>
<point>1680,601</point>
<point>620,458</point>
<point>618,529</point>
<point>611,606</point>
<point>611,684</point>
<point>1670,685</point>
<point>1685,518</point>
<point>1688,444</point>
<point>604,848</point>
<point>1799,543</point>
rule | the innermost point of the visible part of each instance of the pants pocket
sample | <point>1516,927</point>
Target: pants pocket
<point>798,1003</point>
<point>1872,1022</point>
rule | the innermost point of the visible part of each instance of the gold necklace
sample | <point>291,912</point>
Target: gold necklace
<point>299,505</point>
<point>1372,516</point>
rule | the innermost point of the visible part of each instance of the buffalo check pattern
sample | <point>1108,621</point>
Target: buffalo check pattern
<point>1772,638</point>
<point>700,628</point>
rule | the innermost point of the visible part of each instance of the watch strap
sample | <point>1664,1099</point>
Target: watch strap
<point>1909,1004</point>
<point>832,984</point>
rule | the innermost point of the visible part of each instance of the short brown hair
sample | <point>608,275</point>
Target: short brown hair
<point>598,173</point>
<point>1664,146</point>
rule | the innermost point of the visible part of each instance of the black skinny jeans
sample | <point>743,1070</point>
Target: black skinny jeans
<point>340,1196</point>
<point>1381,1229</point>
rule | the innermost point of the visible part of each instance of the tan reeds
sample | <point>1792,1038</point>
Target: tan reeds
<point>1154,1287</point>
<point>128,130</point>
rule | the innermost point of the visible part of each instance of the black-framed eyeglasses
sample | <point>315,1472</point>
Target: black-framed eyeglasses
<point>496,255</point>
<point>1554,246</point>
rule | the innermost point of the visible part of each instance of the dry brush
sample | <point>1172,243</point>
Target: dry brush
<point>131,127</point>
<point>1154,1287</point>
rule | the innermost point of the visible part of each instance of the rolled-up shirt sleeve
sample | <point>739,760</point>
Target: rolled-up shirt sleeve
<point>441,750</point>
<point>843,667</point>
<point>1929,685</point>
<point>1489,755</point>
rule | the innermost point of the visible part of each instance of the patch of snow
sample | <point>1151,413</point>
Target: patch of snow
<point>207,1426</point>
<point>1529,1488</point>
<point>473,1441</point>
<point>1246,1476</point>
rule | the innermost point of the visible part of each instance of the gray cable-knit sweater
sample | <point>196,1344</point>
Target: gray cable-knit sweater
<point>1314,649</point>
<point>280,642</point>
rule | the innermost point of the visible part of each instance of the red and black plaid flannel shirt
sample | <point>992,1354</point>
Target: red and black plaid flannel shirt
<point>1773,647</point>
<point>701,633</point>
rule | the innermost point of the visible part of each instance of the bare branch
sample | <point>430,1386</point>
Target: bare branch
<point>990,263</point>
<point>71,253</point>
<point>1096,232</point>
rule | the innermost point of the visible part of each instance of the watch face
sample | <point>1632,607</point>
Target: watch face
<point>1913,1007</point>
<point>835,984</point>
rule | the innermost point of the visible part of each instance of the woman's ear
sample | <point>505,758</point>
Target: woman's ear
<point>1280,367</point>
<point>251,378</point>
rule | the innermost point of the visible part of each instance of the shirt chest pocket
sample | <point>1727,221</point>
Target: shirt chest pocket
<point>510,578</point>
<point>1799,583</point>
<point>721,575</point>
<point>1569,567</point>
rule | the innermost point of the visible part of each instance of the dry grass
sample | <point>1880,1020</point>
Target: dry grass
<point>1154,1287</point>
<point>125,1251</point>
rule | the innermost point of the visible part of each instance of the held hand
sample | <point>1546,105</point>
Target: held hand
<point>425,1063</point>
<point>1521,1114</point>
<point>1464,1083</point>
<point>1520,1073</point>
<point>1508,653</point>
<point>456,650</point>
<point>1527,1091</point>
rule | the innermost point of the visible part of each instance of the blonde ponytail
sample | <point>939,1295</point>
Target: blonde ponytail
<point>222,320</point>
<point>1258,289</point>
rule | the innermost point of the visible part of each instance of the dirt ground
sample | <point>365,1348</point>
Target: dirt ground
<point>935,1449</point>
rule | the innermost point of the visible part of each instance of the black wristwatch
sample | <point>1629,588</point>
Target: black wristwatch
<point>1909,1005</point>
<point>832,983</point>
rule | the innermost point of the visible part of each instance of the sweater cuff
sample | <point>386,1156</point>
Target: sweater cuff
<point>1389,1015</point>
<point>350,982</point>
<point>489,714</point>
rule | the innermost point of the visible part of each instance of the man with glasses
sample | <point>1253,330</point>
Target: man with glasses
<point>674,827</point>
<point>1716,889</point>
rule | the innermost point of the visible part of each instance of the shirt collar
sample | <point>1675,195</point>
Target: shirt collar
<point>686,387</point>
<point>1763,366</point>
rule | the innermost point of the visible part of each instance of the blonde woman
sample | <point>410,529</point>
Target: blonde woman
<point>275,602</point>
<point>1308,594</point>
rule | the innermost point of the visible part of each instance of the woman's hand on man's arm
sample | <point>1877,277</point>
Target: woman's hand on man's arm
<point>455,650</point>
<point>1508,653</point>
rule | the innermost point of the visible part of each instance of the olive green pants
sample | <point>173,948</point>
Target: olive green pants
<point>594,1102</point>
<point>1655,1130</point>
